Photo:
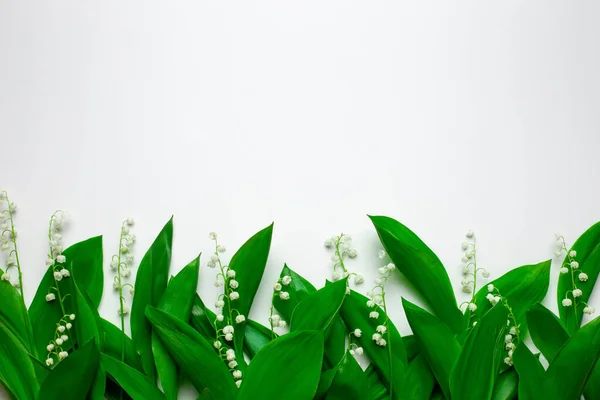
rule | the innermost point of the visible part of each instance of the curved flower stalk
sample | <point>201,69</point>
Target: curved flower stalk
<point>275,320</point>
<point>512,339</point>
<point>570,266</point>
<point>381,336</point>
<point>8,241</point>
<point>470,272</point>
<point>56,260</point>
<point>121,264</point>
<point>224,324</point>
<point>342,248</point>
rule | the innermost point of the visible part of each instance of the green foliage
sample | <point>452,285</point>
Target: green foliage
<point>177,302</point>
<point>249,263</point>
<point>17,372</point>
<point>193,354</point>
<point>421,267</point>
<point>150,284</point>
<point>288,368</point>
<point>587,248</point>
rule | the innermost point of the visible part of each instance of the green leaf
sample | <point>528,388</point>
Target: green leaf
<point>40,368</point>
<point>355,314</point>
<point>138,386</point>
<point>522,287</point>
<point>318,310</point>
<point>84,259</point>
<point>256,337</point>
<point>377,389</point>
<point>335,344</point>
<point>150,284</point>
<point>473,375</point>
<point>299,288</point>
<point>411,345</point>
<point>13,315</point>
<point>249,263</point>
<point>569,370</point>
<point>506,386</point>
<point>547,331</point>
<point>421,267</point>
<point>418,381</point>
<point>86,329</point>
<point>349,381</point>
<point>177,302</point>
<point>16,369</point>
<point>288,368</point>
<point>72,378</point>
<point>84,262</point>
<point>436,341</point>
<point>588,257</point>
<point>531,373</point>
<point>193,354</point>
<point>113,340</point>
<point>203,319</point>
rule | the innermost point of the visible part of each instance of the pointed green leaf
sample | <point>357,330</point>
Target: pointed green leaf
<point>506,385</point>
<point>472,377</point>
<point>355,314</point>
<point>177,302</point>
<point>436,341</point>
<point>318,310</point>
<point>193,354</point>
<point>377,389</point>
<point>349,381</point>
<point>85,262</point>
<point>249,263</point>
<point>13,315</point>
<point>547,331</point>
<point>288,368</point>
<point>138,386</point>
<point>587,248</point>
<point>203,319</point>
<point>421,267</point>
<point>150,284</point>
<point>16,369</point>
<point>418,381</point>
<point>72,378</point>
<point>299,288</point>
<point>112,342</point>
<point>522,287</point>
<point>566,378</point>
<point>256,337</point>
<point>531,374</point>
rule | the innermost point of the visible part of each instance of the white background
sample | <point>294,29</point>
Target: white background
<point>447,116</point>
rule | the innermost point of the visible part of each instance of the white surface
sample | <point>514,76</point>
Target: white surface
<point>231,115</point>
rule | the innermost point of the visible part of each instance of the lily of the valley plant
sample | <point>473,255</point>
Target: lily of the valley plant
<point>316,341</point>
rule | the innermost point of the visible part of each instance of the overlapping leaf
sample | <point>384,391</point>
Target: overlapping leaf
<point>436,341</point>
<point>150,284</point>
<point>473,375</point>
<point>16,369</point>
<point>421,267</point>
<point>355,313</point>
<point>547,332</point>
<point>138,386</point>
<point>287,368</point>
<point>177,302</point>
<point>587,248</point>
<point>193,354</point>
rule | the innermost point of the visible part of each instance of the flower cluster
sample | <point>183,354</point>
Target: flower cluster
<point>377,299</point>
<point>469,269</point>
<point>512,338</point>
<point>275,320</point>
<point>55,259</point>
<point>55,347</point>
<point>355,349</point>
<point>228,315</point>
<point>342,248</point>
<point>8,241</point>
<point>121,264</point>
<point>571,266</point>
